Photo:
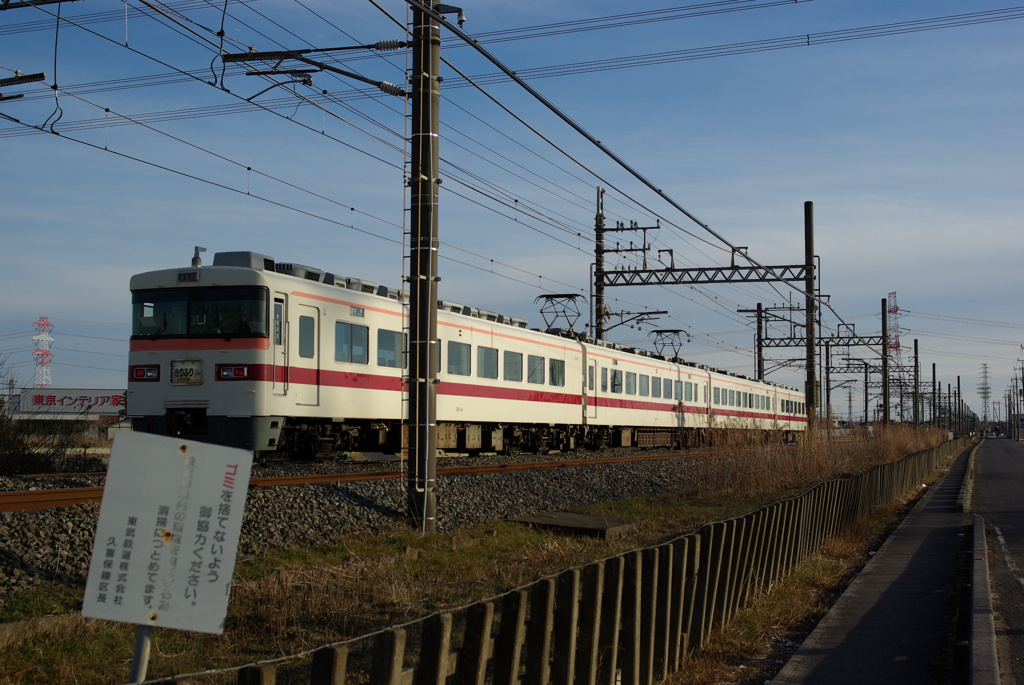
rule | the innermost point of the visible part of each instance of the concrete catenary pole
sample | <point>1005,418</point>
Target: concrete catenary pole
<point>885,362</point>
<point>917,386</point>
<point>598,316</point>
<point>421,487</point>
<point>812,382</point>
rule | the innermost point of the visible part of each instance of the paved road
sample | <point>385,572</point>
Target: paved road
<point>999,497</point>
<point>891,626</point>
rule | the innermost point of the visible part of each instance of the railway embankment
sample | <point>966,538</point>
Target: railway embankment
<point>54,545</point>
<point>304,517</point>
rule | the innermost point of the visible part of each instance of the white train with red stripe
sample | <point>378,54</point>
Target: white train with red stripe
<point>289,360</point>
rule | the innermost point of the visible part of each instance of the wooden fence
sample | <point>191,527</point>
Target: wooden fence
<point>627,620</point>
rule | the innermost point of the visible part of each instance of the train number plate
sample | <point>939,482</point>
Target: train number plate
<point>187,371</point>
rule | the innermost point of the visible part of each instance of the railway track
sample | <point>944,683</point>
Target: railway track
<point>34,500</point>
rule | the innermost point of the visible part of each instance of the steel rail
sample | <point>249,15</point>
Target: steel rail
<point>34,500</point>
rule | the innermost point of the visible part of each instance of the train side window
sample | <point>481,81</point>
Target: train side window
<point>278,321</point>
<point>307,336</point>
<point>716,395</point>
<point>390,348</point>
<point>513,366</point>
<point>679,390</point>
<point>486,362</point>
<point>616,381</point>
<point>556,372</point>
<point>590,378</point>
<point>630,383</point>
<point>351,343</point>
<point>604,380</point>
<point>655,387</point>
<point>459,359</point>
<point>688,394</point>
<point>645,385</point>
<point>534,369</point>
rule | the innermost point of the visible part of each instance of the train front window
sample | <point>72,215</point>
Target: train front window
<point>228,312</point>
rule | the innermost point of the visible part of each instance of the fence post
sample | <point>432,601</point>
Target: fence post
<point>566,627</point>
<point>681,586</point>
<point>664,599</point>
<point>629,641</point>
<point>388,655</point>
<point>693,571</point>
<point>611,620</point>
<point>471,667</point>
<point>329,665</point>
<point>511,637</point>
<point>538,633</point>
<point>257,674</point>
<point>591,608</point>
<point>725,568</point>
<point>435,646</point>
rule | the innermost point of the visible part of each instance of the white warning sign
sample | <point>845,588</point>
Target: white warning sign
<point>168,533</point>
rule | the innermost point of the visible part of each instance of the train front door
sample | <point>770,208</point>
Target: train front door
<point>304,371</point>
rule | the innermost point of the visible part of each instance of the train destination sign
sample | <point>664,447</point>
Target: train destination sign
<point>168,533</point>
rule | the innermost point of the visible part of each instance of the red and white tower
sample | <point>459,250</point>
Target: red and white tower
<point>42,352</point>
<point>897,372</point>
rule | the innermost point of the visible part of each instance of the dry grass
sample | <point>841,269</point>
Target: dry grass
<point>754,647</point>
<point>287,602</point>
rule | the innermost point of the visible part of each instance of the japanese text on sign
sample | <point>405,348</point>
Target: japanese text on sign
<point>167,533</point>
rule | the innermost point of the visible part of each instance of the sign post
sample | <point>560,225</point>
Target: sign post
<point>167,536</point>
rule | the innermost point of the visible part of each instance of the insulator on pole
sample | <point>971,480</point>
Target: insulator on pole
<point>391,89</point>
<point>389,45</point>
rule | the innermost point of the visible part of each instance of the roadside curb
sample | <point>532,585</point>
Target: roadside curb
<point>963,501</point>
<point>984,665</point>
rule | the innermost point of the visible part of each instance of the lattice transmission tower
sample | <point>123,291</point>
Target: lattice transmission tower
<point>898,380</point>
<point>984,392</point>
<point>42,352</point>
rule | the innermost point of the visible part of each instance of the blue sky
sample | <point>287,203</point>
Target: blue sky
<point>909,145</point>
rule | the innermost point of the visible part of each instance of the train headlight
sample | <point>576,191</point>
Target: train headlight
<point>232,373</point>
<point>144,373</point>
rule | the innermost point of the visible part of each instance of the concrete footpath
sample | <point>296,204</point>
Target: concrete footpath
<point>891,624</point>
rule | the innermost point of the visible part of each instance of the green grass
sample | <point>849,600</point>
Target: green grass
<point>46,599</point>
